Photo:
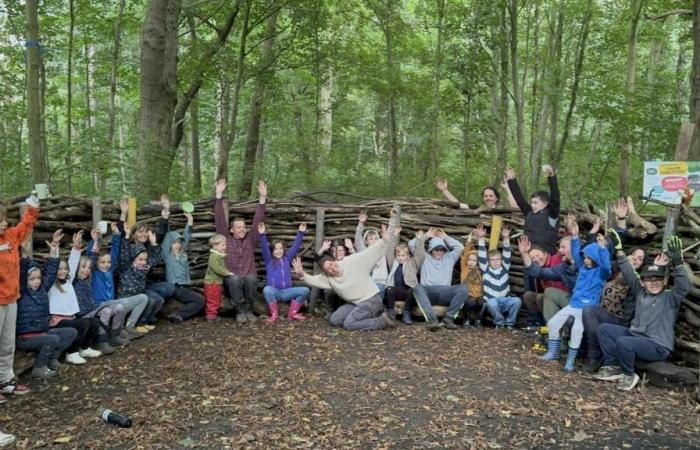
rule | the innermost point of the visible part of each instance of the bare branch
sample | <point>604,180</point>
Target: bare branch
<point>673,12</point>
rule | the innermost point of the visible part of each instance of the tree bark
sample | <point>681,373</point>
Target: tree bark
<point>556,82</point>
<point>517,90</point>
<point>694,152</point>
<point>116,48</point>
<point>159,46</point>
<point>245,184</point>
<point>39,158</point>
<point>434,160</point>
<point>69,99</point>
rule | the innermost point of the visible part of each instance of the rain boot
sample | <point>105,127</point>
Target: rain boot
<point>274,312</point>
<point>293,313</point>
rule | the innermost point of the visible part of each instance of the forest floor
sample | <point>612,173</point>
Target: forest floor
<point>309,385</point>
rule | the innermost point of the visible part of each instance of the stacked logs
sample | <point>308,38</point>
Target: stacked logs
<point>337,220</point>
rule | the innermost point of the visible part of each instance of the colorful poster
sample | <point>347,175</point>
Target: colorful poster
<point>664,179</point>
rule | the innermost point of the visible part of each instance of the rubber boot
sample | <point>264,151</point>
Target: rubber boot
<point>406,317</point>
<point>553,346</point>
<point>571,360</point>
<point>293,313</point>
<point>274,313</point>
<point>115,338</point>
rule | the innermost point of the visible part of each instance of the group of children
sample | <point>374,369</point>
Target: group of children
<point>97,300</point>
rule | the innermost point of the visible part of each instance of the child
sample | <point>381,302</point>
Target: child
<point>177,271</point>
<point>470,276</point>
<point>33,332</point>
<point>103,290</point>
<point>279,278</point>
<point>542,213</point>
<point>214,277</point>
<point>364,239</point>
<point>593,271</point>
<point>496,285</point>
<point>63,305</point>
<point>403,275</point>
<point>10,240</point>
<point>651,334</point>
<point>135,265</point>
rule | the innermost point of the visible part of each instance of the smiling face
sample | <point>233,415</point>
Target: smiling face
<point>472,261</point>
<point>338,252</point>
<point>371,238</point>
<point>176,246</point>
<point>220,247</point>
<point>565,247</point>
<point>85,268</point>
<point>141,260</point>
<point>402,255</point>
<point>495,260</point>
<point>34,280</point>
<point>104,262</point>
<point>489,198</point>
<point>653,285</point>
<point>278,250</point>
<point>537,204</point>
<point>331,268</point>
<point>636,258</point>
<point>538,256</point>
<point>62,274</point>
<point>238,229</point>
<point>438,253</point>
<point>140,234</point>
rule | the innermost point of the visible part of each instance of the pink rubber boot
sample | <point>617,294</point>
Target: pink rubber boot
<point>293,313</point>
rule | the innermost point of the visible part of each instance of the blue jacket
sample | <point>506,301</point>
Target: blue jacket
<point>103,282</point>
<point>33,306</point>
<point>177,268</point>
<point>590,281</point>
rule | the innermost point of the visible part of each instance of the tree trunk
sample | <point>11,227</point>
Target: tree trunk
<point>39,159</point>
<point>556,81</point>
<point>517,90</point>
<point>694,152</point>
<point>69,100</point>
<point>466,139</point>
<point>434,159</point>
<point>245,184</point>
<point>636,7</point>
<point>111,130</point>
<point>325,117</point>
<point>159,46</point>
<point>222,162</point>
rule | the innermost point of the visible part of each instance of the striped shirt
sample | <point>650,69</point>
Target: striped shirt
<point>495,280</point>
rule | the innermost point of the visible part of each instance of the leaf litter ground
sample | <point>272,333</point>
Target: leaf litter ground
<point>308,385</point>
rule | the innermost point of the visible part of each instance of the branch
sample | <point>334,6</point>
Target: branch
<point>673,12</point>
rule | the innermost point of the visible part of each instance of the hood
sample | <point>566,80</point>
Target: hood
<point>27,265</point>
<point>368,232</point>
<point>591,250</point>
<point>436,243</point>
<point>174,236</point>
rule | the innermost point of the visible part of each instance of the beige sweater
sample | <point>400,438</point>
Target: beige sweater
<point>354,284</point>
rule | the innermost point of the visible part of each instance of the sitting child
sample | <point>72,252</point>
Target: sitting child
<point>403,275</point>
<point>214,278</point>
<point>470,276</point>
<point>651,334</point>
<point>279,278</point>
<point>496,284</point>
<point>33,332</point>
<point>593,271</point>
<point>63,305</point>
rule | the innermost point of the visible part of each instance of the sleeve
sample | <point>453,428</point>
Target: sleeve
<point>155,256</point>
<point>419,255</point>
<point>482,255</point>
<point>49,272</point>
<point>391,252</point>
<point>456,249</point>
<point>124,254</point>
<point>630,276</point>
<point>681,285</point>
<point>162,229</point>
<point>89,253</point>
<point>218,266</point>
<point>259,217</point>
<point>186,237</point>
<point>507,253</point>
<point>318,281</point>
<point>264,248</point>
<point>554,198</point>
<point>19,232</point>
<point>544,273</point>
<point>605,264</point>
<point>368,258</point>
<point>296,245</point>
<point>116,249</point>
<point>220,217</point>
<point>359,241</point>
<point>73,263</point>
<point>518,196</point>
<point>121,227</point>
<point>412,245</point>
<point>576,251</point>
<point>463,267</point>
<point>166,243</point>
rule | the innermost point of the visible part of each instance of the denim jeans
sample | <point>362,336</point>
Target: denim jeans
<point>49,345</point>
<point>620,347</point>
<point>499,305</point>
<point>192,302</point>
<point>593,318</point>
<point>298,293</point>
<point>242,291</point>
<point>157,294</point>
<point>451,296</point>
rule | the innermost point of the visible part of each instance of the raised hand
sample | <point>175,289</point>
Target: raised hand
<point>152,237</point>
<point>362,218</point>
<point>95,234</point>
<point>349,245</point>
<point>505,233</point>
<point>571,225</point>
<point>385,232</point>
<point>262,189</point>
<point>165,202</point>
<point>325,246</point>
<point>78,240</point>
<point>480,231</point>
<point>124,204</point>
<point>261,228</point>
<point>510,173</point>
<point>621,209</point>
<point>220,187</point>
<point>440,233</point>
<point>675,250</point>
<point>432,232</point>
<point>441,184</point>
<point>397,230</point>
<point>190,219</point>
<point>298,267</point>
<point>115,228</point>
<point>661,259</point>
<point>302,227</point>
<point>548,170</point>
<point>600,238</point>
<point>524,244</point>
<point>57,236</point>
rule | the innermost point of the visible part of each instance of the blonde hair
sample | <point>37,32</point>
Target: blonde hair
<point>217,239</point>
<point>83,261</point>
<point>402,248</point>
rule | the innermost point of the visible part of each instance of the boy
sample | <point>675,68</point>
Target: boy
<point>403,276</point>
<point>214,278</point>
<point>650,336</point>
<point>495,267</point>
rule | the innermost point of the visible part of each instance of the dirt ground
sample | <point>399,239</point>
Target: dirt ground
<point>308,385</point>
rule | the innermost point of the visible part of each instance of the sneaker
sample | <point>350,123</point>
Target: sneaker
<point>75,358</point>
<point>133,333</point>
<point>627,382</point>
<point>149,327</point>
<point>591,365</point>
<point>241,318</point>
<point>608,373</point>
<point>14,388</point>
<point>250,316</point>
<point>7,439</point>
<point>116,340</point>
<point>43,373</point>
<point>449,323</point>
<point>143,329</point>
<point>406,317</point>
<point>511,328</point>
<point>390,323</point>
<point>90,353</point>
<point>467,324</point>
<point>57,366</point>
<point>478,325</point>
<point>105,348</point>
<point>433,324</point>
<point>176,319</point>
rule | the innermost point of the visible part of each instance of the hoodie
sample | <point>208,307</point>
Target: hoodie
<point>33,306</point>
<point>438,272</point>
<point>177,268</point>
<point>590,281</point>
<point>132,280</point>
<point>10,242</point>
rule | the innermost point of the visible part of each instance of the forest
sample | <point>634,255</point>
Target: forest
<point>376,96</point>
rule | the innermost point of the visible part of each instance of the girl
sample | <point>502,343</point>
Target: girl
<point>489,196</point>
<point>177,270</point>
<point>103,289</point>
<point>470,276</point>
<point>33,332</point>
<point>403,275</point>
<point>279,279</point>
<point>63,305</point>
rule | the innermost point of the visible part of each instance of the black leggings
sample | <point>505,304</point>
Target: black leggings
<point>87,332</point>
<point>394,294</point>
<point>472,308</point>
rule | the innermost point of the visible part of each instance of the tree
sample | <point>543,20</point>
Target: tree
<point>37,150</point>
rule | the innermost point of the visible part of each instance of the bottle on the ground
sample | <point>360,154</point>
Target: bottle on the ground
<point>115,418</point>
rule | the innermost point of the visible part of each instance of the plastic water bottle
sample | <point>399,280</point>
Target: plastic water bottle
<point>115,418</point>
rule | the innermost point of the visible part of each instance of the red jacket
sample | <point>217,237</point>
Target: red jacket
<point>10,253</point>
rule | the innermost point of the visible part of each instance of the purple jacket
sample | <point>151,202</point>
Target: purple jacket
<point>278,269</point>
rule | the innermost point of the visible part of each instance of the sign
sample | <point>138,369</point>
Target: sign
<point>664,179</point>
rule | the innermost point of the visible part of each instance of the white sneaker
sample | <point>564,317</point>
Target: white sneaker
<point>6,439</point>
<point>90,353</point>
<point>75,358</point>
